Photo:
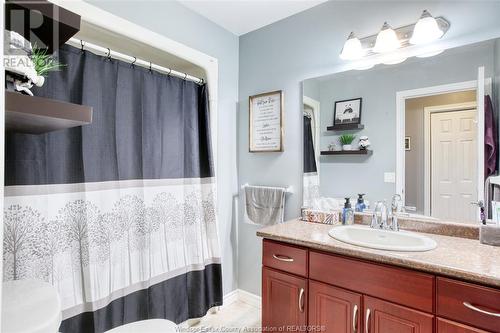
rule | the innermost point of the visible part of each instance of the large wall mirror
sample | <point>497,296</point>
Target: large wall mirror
<point>419,128</point>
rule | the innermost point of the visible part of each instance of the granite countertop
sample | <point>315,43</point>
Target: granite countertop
<point>460,258</point>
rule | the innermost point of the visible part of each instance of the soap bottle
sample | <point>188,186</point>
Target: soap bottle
<point>360,205</point>
<point>347,213</point>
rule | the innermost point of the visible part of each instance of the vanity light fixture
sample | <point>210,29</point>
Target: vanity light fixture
<point>352,49</point>
<point>426,30</point>
<point>387,40</point>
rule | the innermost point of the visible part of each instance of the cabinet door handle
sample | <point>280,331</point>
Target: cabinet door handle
<point>301,300</point>
<point>282,258</point>
<point>474,308</point>
<point>355,319</point>
<point>367,321</point>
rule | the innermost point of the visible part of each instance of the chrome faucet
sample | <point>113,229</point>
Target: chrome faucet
<point>396,208</point>
<point>380,214</point>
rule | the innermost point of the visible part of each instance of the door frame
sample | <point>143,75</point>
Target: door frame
<point>401,97</point>
<point>428,110</point>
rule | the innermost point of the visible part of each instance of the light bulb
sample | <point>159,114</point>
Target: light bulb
<point>426,30</point>
<point>352,48</point>
<point>387,40</point>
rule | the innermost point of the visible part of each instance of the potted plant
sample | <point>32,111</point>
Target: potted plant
<point>346,141</point>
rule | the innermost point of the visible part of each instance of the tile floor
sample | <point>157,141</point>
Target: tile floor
<point>237,317</point>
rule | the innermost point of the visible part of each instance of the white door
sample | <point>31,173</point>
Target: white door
<point>454,165</point>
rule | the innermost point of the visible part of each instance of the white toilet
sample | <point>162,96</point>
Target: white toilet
<point>32,306</point>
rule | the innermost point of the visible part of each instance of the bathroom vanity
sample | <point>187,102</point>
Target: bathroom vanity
<point>312,282</point>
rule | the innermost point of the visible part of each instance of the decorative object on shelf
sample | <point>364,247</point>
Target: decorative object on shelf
<point>347,112</point>
<point>407,143</point>
<point>25,65</point>
<point>333,147</point>
<point>364,143</point>
<point>426,30</point>
<point>44,62</point>
<point>346,141</point>
<point>266,122</point>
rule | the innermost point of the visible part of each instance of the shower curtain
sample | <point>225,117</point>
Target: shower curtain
<point>118,215</point>
<point>310,177</point>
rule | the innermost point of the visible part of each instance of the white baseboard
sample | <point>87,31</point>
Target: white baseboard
<point>242,296</point>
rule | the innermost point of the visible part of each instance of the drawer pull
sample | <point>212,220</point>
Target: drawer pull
<point>367,321</point>
<point>301,300</point>
<point>282,258</point>
<point>355,319</point>
<point>474,308</point>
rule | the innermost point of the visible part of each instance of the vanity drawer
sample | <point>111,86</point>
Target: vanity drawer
<point>468,303</point>
<point>400,286</point>
<point>288,258</point>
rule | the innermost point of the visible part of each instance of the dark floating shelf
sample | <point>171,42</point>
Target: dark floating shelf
<point>41,22</point>
<point>37,115</point>
<point>366,152</point>
<point>346,127</point>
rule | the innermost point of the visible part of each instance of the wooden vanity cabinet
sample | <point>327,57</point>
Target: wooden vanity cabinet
<point>448,326</point>
<point>385,317</point>
<point>284,301</point>
<point>306,290</point>
<point>335,309</point>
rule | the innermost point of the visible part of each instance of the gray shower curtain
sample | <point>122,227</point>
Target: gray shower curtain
<point>118,215</point>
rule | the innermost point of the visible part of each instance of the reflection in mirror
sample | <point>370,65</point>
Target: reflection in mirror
<point>424,130</point>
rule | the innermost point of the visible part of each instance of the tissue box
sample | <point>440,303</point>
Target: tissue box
<point>490,235</point>
<point>310,215</point>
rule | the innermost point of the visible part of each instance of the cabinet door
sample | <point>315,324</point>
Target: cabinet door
<point>385,317</point>
<point>333,310</point>
<point>448,326</point>
<point>284,301</point>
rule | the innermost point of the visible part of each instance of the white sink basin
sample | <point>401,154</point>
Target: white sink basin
<point>382,239</point>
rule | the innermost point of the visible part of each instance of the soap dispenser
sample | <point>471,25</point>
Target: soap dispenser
<point>360,205</point>
<point>347,213</point>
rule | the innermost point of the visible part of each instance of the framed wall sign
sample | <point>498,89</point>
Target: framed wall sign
<point>266,122</point>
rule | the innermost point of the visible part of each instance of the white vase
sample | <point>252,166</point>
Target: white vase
<point>347,147</point>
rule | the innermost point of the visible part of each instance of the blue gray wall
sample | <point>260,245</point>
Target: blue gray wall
<point>306,45</point>
<point>176,22</point>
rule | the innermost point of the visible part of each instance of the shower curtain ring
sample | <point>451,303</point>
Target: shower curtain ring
<point>169,72</point>
<point>82,44</point>
<point>133,62</point>
<point>150,70</point>
<point>185,76</point>
<point>109,54</point>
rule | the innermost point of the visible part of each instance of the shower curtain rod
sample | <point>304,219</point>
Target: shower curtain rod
<point>133,60</point>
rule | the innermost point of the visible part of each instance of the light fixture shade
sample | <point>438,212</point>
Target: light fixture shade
<point>387,40</point>
<point>352,48</point>
<point>426,30</point>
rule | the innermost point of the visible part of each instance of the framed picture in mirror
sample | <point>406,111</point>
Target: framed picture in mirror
<point>347,112</point>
